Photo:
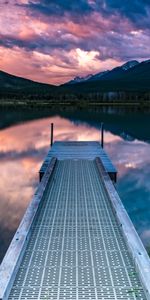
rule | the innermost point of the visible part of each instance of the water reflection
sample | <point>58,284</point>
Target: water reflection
<point>133,163</point>
<point>23,148</point>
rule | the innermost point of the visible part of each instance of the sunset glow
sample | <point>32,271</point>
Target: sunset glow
<point>54,42</point>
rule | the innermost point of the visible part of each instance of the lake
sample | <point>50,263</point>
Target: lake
<point>24,142</point>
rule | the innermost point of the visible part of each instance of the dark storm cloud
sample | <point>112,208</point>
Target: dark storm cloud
<point>87,35</point>
<point>136,11</point>
<point>9,41</point>
<point>59,7</point>
<point>126,7</point>
<point>44,44</point>
<point>121,17</point>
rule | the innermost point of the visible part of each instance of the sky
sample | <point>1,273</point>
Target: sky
<point>55,41</point>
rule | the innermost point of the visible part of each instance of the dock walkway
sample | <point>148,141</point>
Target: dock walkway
<point>79,243</point>
<point>79,150</point>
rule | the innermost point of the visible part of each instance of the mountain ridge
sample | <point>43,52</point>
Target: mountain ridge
<point>131,76</point>
<point>135,78</point>
<point>105,74</point>
<point>4,76</point>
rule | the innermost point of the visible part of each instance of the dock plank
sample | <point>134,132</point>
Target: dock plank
<point>79,150</point>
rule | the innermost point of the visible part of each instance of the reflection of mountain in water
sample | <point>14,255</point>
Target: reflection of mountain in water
<point>127,137</point>
<point>127,124</point>
<point>136,198</point>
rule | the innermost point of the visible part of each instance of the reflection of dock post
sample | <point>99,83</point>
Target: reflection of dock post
<point>102,135</point>
<point>52,131</point>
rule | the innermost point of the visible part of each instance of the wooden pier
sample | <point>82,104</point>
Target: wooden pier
<point>76,240</point>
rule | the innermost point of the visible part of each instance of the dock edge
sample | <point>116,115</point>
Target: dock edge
<point>15,252</point>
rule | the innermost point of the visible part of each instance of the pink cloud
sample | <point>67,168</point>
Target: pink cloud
<point>47,47</point>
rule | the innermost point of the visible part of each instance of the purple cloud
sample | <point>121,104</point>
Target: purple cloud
<point>55,34</point>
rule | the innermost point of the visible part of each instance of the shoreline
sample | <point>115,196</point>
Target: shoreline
<point>83,103</point>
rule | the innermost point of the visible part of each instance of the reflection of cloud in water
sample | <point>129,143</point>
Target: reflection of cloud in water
<point>36,134</point>
<point>135,195</point>
<point>146,235</point>
<point>132,160</point>
<point>129,155</point>
<point>23,148</point>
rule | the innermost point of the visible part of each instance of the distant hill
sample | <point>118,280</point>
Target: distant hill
<point>14,85</point>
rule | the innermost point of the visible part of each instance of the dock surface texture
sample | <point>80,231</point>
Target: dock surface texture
<point>78,150</point>
<point>77,249</point>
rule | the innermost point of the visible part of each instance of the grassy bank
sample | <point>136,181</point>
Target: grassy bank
<point>79,103</point>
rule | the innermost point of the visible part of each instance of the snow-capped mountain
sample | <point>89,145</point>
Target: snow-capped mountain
<point>98,75</point>
<point>129,65</point>
<point>106,75</point>
<point>132,76</point>
<point>80,79</point>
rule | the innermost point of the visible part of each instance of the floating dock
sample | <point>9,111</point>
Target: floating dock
<point>79,150</point>
<point>76,240</point>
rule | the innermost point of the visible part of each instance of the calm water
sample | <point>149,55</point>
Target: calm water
<point>24,142</point>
